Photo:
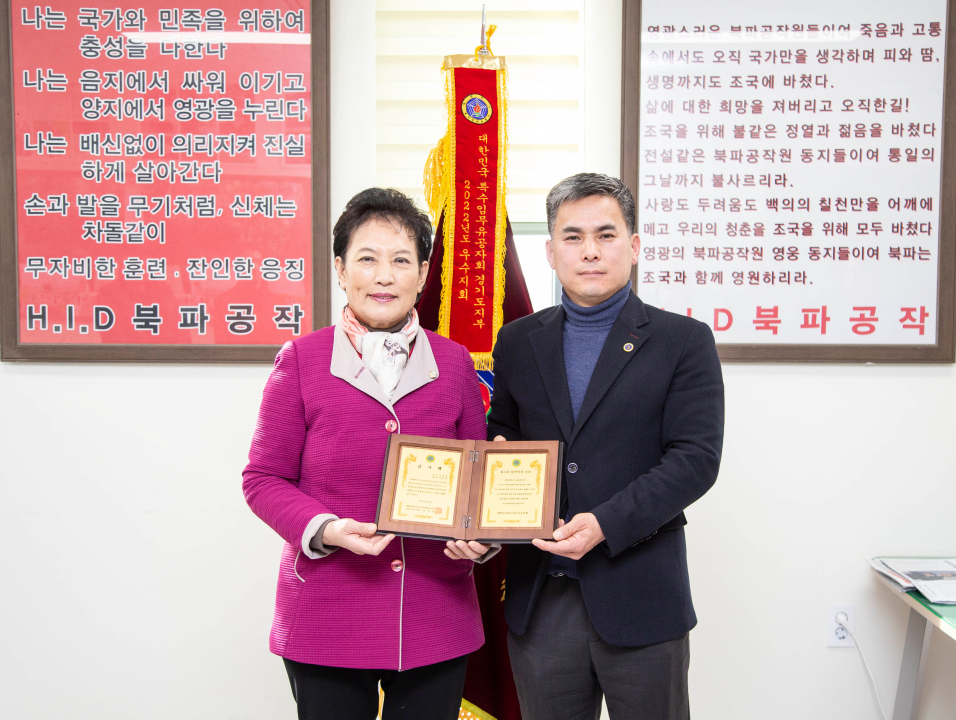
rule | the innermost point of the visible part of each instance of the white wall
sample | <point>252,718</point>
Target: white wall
<point>353,107</point>
<point>136,583</point>
<point>823,467</point>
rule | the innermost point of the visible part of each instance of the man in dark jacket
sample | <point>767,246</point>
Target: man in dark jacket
<point>636,395</point>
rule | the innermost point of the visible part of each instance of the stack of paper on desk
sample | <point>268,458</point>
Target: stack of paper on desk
<point>901,583</point>
<point>935,578</point>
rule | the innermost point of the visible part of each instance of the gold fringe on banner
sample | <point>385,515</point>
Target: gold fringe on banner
<point>501,210</point>
<point>448,182</point>
<point>483,360</point>
<point>482,62</point>
<point>469,711</point>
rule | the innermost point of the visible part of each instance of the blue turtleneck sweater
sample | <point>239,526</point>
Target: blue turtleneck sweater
<point>585,332</point>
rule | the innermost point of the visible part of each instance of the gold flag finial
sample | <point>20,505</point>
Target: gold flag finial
<point>486,32</point>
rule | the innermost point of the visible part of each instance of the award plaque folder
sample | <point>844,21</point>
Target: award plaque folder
<point>470,489</point>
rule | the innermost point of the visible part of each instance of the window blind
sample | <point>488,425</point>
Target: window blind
<point>543,48</point>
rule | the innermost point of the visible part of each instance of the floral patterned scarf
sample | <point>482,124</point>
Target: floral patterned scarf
<point>384,353</point>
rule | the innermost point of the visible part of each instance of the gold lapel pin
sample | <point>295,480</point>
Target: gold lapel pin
<point>628,347</point>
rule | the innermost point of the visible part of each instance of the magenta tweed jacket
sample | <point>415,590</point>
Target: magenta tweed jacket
<point>318,450</point>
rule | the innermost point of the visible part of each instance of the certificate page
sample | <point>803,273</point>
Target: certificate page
<point>514,490</point>
<point>427,487</point>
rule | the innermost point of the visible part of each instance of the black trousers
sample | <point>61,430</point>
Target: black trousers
<point>562,667</point>
<point>331,693</point>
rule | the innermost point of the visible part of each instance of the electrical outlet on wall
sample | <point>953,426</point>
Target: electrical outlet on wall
<point>838,615</point>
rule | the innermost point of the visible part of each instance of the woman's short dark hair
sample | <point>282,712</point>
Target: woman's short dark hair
<point>383,204</point>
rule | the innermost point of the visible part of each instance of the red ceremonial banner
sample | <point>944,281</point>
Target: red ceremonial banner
<point>473,211</point>
<point>465,188</point>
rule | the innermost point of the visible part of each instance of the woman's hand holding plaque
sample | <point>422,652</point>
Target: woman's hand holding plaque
<point>358,537</point>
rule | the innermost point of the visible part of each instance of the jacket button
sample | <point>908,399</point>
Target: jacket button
<point>397,565</point>
<point>572,468</point>
<point>391,426</point>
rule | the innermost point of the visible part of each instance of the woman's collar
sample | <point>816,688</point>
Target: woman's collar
<point>347,365</point>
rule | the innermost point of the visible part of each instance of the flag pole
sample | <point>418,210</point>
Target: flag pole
<point>484,36</point>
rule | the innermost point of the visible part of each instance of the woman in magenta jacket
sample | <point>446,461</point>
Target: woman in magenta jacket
<point>355,609</point>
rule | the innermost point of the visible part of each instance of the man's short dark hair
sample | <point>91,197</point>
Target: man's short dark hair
<point>383,204</point>
<point>582,185</point>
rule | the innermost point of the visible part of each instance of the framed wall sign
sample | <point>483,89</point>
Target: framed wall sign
<point>794,174</point>
<point>163,179</point>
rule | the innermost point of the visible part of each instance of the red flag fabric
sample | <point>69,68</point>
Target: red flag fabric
<point>517,301</point>
<point>489,686</point>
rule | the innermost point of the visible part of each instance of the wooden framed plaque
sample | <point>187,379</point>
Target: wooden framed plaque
<point>470,490</point>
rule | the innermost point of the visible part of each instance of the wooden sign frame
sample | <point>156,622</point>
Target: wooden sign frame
<point>943,351</point>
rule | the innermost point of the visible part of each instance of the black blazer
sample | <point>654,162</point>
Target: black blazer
<point>646,444</point>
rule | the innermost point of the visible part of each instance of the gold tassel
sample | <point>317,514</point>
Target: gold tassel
<point>434,181</point>
<point>501,209</point>
<point>474,710</point>
<point>487,46</point>
<point>482,360</point>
